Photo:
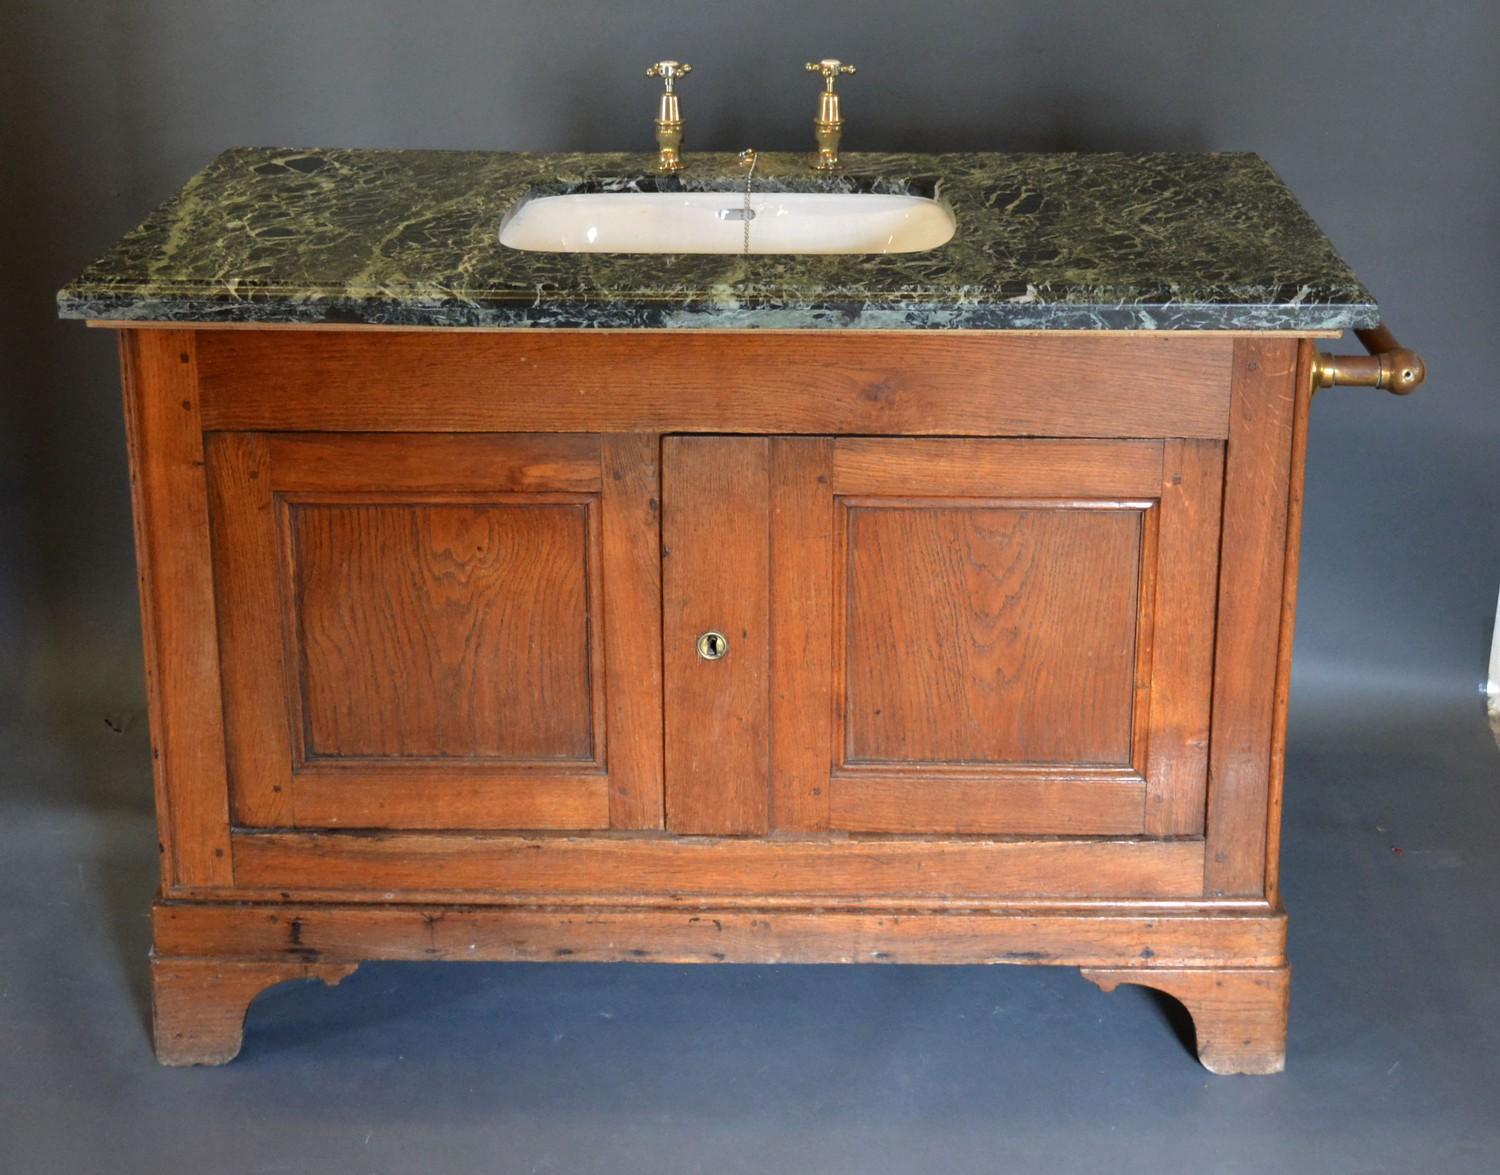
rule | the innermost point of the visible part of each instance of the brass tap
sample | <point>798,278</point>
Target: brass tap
<point>668,117</point>
<point>829,124</point>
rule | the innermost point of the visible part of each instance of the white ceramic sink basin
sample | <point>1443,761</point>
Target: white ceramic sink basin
<point>715,222</point>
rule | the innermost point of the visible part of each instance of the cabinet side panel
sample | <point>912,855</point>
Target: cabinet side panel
<point>1251,579</point>
<point>716,549</point>
<point>177,605</point>
<point>631,509</point>
<point>1304,392</point>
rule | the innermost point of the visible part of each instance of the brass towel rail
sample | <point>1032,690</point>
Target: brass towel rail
<point>1389,365</point>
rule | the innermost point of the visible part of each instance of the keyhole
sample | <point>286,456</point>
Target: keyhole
<point>712,646</point>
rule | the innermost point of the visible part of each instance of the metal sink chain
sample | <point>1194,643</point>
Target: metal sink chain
<point>748,157</point>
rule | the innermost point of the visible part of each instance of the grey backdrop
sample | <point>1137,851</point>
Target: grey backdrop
<point>1383,117</point>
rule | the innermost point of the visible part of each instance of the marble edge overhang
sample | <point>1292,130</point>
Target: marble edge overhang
<point>134,297</point>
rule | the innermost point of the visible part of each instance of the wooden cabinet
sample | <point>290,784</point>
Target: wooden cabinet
<point>678,647</point>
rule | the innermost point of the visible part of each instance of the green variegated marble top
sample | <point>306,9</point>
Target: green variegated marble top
<point>410,238</point>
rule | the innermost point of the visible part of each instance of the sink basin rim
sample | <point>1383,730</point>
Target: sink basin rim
<point>708,222</point>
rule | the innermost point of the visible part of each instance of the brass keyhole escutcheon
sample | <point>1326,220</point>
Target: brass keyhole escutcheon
<point>712,646</point>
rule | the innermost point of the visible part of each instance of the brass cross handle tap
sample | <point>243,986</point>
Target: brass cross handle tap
<point>828,125</point>
<point>668,121</point>
<point>669,72</point>
<point>830,68</point>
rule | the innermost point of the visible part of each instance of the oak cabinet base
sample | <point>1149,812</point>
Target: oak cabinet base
<point>1239,1013</point>
<point>1226,966</point>
<point>198,1005</point>
<point>1002,631</point>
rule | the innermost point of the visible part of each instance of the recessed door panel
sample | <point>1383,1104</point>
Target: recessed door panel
<point>987,638</point>
<point>987,633</point>
<point>444,630</point>
<point>417,631</point>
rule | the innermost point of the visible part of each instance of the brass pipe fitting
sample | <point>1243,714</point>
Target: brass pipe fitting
<point>1397,369</point>
<point>668,120</point>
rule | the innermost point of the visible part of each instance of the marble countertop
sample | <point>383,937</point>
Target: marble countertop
<point>410,238</point>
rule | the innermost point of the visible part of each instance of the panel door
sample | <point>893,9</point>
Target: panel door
<point>942,636</point>
<point>439,631</point>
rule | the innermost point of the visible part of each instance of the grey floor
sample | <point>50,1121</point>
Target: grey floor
<point>1391,873</point>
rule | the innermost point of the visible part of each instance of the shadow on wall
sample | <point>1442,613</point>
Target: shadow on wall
<point>66,596</point>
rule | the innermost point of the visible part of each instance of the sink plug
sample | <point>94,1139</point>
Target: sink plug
<point>829,124</point>
<point>668,116</point>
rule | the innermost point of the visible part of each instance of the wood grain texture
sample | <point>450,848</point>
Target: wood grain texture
<point>450,794</point>
<point>198,1005</point>
<point>1176,614</point>
<point>252,644</point>
<point>1306,353</point>
<point>802,555</point>
<point>426,651</point>
<point>1181,672</point>
<point>1149,572</point>
<point>501,899</point>
<point>996,468</point>
<point>983,491</point>
<point>1078,803</point>
<point>505,463</point>
<point>1239,1013</point>
<point>1251,579</point>
<point>444,631</point>
<point>257,645</point>
<point>631,562</point>
<point>716,556</point>
<point>179,619</point>
<point>675,867</point>
<point>986,633</point>
<point>944,383</point>
<point>719,934</point>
